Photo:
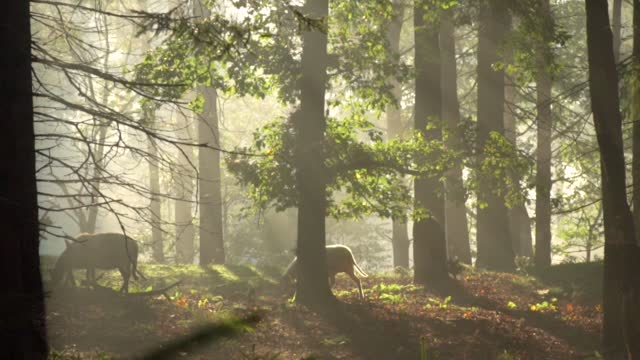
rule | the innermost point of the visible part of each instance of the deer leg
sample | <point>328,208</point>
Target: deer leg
<point>91,276</point>
<point>68,278</point>
<point>125,279</point>
<point>357,281</point>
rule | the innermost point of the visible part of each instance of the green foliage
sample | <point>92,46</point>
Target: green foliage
<point>205,52</point>
<point>498,165</point>
<point>545,306</point>
<point>393,288</point>
<point>505,355</point>
<point>365,176</point>
<point>537,37</point>
<point>364,63</point>
<point>438,304</point>
<point>393,299</point>
<point>580,232</point>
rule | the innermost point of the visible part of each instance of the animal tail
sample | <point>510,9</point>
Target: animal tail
<point>134,268</point>
<point>134,263</point>
<point>358,269</point>
<point>289,273</point>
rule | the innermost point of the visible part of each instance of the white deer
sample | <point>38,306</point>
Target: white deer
<point>339,259</point>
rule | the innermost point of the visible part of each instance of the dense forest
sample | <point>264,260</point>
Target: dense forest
<point>320,179</point>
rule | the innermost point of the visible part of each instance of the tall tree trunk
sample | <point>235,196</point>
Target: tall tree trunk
<point>494,246</point>
<point>155,207</point>
<point>621,328</point>
<point>98,166</point>
<point>634,332</point>
<point>457,228</point>
<point>400,233</point>
<point>183,184</point>
<point>543,152</point>
<point>210,176</point>
<point>519,220</point>
<point>617,28</point>
<point>635,114</point>
<point>22,312</point>
<point>211,234</point>
<point>429,241</point>
<point>312,287</point>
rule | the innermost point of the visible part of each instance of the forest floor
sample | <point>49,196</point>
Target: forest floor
<point>484,315</point>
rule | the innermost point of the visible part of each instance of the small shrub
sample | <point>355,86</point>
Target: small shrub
<point>506,356</point>
<point>402,272</point>
<point>524,265</point>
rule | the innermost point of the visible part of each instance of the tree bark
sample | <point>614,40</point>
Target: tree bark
<point>211,234</point>
<point>400,233</point>
<point>635,114</point>
<point>543,151</point>
<point>183,184</point>
<point>155,207</point>
<point>92,217</point>
<point>22,313</point>
<point>519,220</point>
<point>621,328</point>
<point>429,240</point>
<point>210,175</point>
<point>494,246</point>
<point>312,287</point>
<point>457,228</point>
<point>617,28</point>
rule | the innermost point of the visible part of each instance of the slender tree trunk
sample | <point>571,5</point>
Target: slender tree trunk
<point>209,179</point>
<point>635,113</point>
<point>90,225</point>
<point>457,228</point>
<point>634,313</point>
<point>211,233</point>
<point>400,233</point>
<point>312,287</point>
<point>616,25</point>
<point>494,246</point>
<point>22,312</point>
<point>543,152</point>
<point>183,183</point>
<point>621,328</point>
<point>519,220</point>
<point>429,241</point>
<point>155,208</point>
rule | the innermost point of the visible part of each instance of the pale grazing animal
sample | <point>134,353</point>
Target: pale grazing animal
<point>339,259</point>
<point>98,251</point>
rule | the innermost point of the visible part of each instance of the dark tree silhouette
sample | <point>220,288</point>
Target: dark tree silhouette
<point>495,251</point>
<point>455,209</point>
<point>23,331</point>
<point>400,234</point>
<point>429,242</point>
<point>543,152</point>
<point>620,303</point>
